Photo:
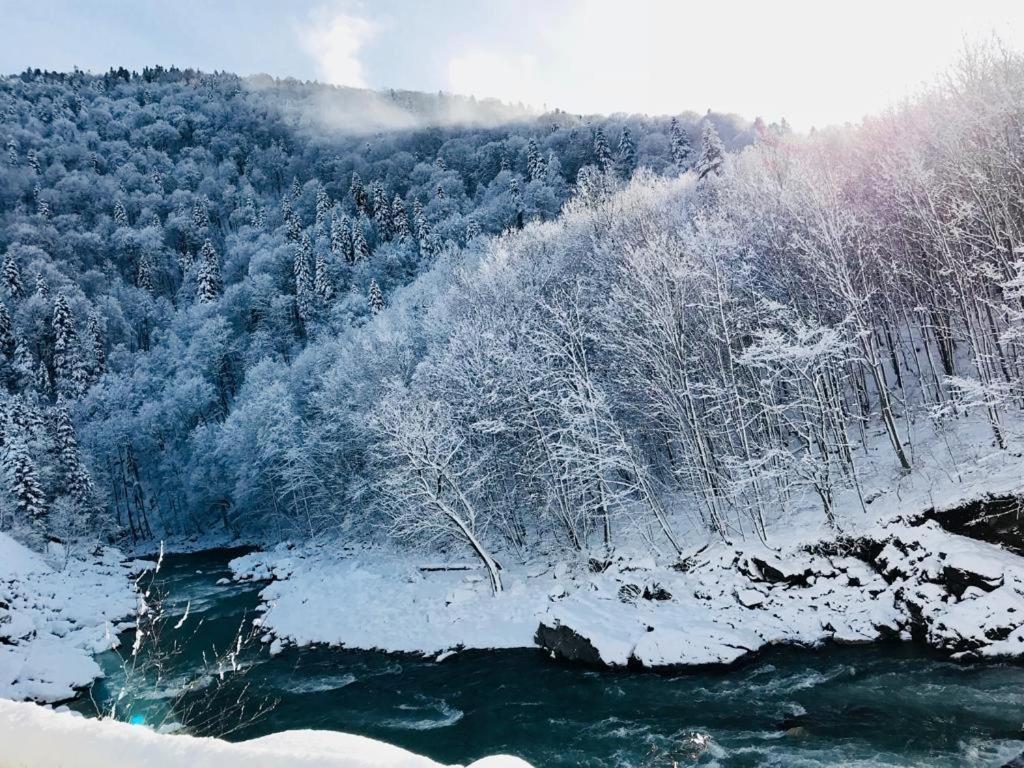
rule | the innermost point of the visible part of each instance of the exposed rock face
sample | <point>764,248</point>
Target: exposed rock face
<point>566,644</point>
<point>995,519</point>
<point>957,594</point>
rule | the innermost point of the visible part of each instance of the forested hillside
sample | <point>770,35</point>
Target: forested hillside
<point>228,309</point>
<point>190,262</point>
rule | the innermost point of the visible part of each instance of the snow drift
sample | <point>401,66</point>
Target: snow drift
<point>33,736</point>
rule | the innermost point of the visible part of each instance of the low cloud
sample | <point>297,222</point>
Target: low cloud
<point>335,40</point>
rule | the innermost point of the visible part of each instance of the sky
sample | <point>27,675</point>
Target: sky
<point>814,62</point>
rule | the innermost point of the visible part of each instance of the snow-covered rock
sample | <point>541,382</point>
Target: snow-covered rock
<point>32,736</point>
<point>959,595</point>
<point>53,620</point>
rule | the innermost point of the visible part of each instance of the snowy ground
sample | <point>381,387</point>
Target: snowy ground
<point>37,737</point>
<point>55,613</point>
<point>723,602</point>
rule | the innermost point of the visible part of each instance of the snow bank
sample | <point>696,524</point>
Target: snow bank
<point>36,737</point>
<point>961,596</point>
<point>53,620</point>
<point>377,599</point>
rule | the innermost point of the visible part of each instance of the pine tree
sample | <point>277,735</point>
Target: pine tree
<point>381,212</point>
<point>535,164</point>
<point>375,297</point>
<point>472,229</point>
<point>626,159</point>
<point>145,276</point>
<point>42,287</point>
<point>399,219</point>
<point>357,192</point>
<point>67,363</point>
<point>120,214</point>
<point>76,478</point>
<point>97,345</point>
<point>8,349</point>
<point>12,152</point>
<point>516,196</point>
<point>712,153</point>
<point>601,151</point>
<point>200,216</point>
<point>23,478</point>
<point>252,211</point>
<point>680,144</point>
<point>323,209</point>
<point>360,249</point>
<point>43,208</point>
<point>322,284</point>
<point>424,235</point>
<point>33,161</point>
<point>341,234</point>
<point>304,296</point>
<point>23,366</point>
<point>296,189</point>
<point>8,341</point>
<point>208,282</point>
<point>12,278</point>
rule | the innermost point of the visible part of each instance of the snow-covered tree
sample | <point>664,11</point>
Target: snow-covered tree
<point>375,298</point>
<point>12,278</point>
<point>602,152</point>
<point>76,478</point>
<point>68,367</point>
<point>360,249</point>
<point>625,161</point>
<point>323,209</point>
<point>23,479</point>
<point>680,143</point>
<point>120,214</point>
<point>712,152</point>
<point>323,285</point>
<point>208,281</point>
<point>305,297</point>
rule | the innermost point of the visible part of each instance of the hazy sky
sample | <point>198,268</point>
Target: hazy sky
<point>813,62</point>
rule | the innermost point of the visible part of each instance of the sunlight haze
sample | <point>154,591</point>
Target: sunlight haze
<point>812,63</point>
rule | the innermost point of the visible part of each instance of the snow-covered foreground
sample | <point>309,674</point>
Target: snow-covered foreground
<point>37,737</point>
<point>55,615</point>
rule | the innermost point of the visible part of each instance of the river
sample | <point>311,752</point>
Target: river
<point>892,705</point>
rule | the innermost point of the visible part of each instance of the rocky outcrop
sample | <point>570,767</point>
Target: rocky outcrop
<point>959,595</point>
<point>565,643</point>
<point>996,519</point>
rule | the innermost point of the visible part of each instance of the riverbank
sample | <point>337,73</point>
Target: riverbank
<point>56,611</point>
<point>958,595</point>
<point>933,556</point>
